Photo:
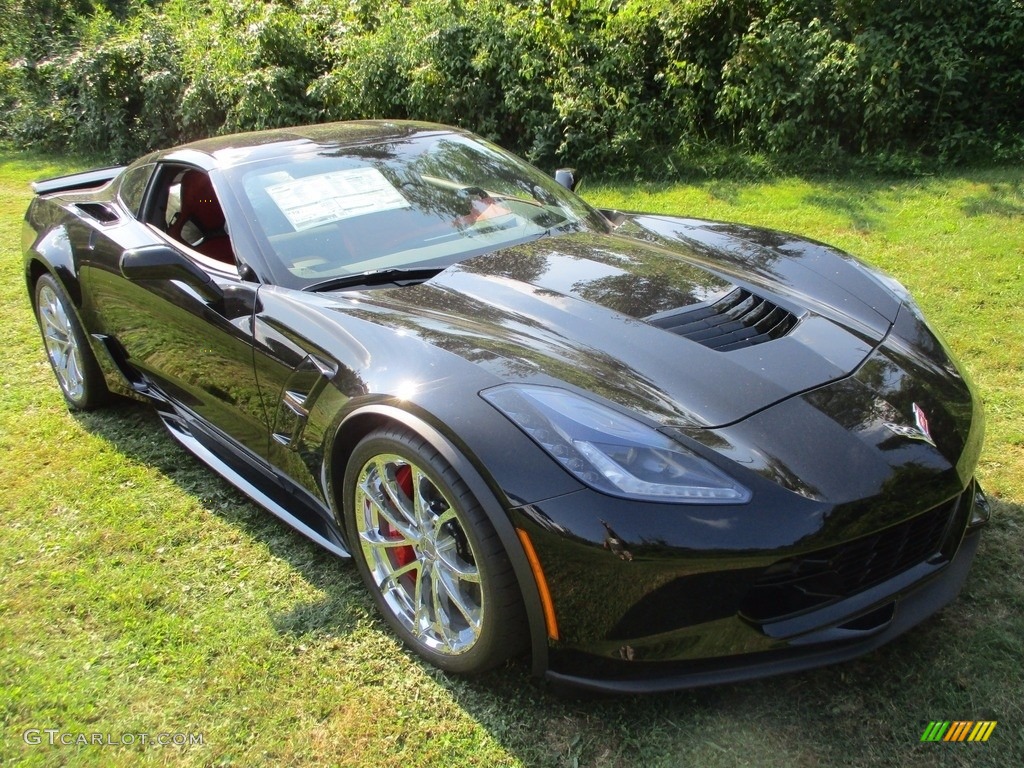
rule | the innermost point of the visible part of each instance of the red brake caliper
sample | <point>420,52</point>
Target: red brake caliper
<point>403,555</point>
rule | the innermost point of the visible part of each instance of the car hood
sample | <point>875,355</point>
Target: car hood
<point>640,322</point>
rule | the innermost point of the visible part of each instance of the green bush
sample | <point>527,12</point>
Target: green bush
<point>249,64</point>
<point>607,85</point>
<point>116,95</point>
<point>878,76</point>
<point>638,87</point>
<point>451,62</point>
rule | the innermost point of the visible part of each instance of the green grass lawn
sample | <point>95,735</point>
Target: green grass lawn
<point>139,594</point>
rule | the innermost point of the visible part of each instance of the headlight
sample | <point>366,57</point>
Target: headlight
<point>612,452</point>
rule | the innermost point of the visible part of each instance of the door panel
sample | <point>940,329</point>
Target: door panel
<point>196,351</point>
<point>192,350</point>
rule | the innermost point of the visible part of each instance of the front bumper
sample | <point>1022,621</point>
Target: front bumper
<point>720,642</point>
<point>907,610</point>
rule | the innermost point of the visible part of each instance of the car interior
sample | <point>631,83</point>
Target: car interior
<point>187,210</point>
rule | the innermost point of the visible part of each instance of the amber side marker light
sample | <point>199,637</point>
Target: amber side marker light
<point>542,583</point>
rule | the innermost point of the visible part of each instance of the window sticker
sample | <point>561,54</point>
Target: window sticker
<point>329,197</point>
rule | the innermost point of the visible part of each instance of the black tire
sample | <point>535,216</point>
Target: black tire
<point>440,576</point>
<point>67,348</point>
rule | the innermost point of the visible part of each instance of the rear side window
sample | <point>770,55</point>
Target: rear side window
<point>133,187</point>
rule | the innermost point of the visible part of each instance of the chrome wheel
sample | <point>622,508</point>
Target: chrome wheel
<point>418,555</point>
<point>67,347</point>
<point>61,343</point>
<point>429,553</point>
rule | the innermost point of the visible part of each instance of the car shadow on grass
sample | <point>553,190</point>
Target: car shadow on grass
<point>962,664</point>
<point>136,431</point>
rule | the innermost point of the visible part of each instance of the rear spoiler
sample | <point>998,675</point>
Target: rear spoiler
<point>86,180</point>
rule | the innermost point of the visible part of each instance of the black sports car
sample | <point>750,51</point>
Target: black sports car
<point>657,452</point>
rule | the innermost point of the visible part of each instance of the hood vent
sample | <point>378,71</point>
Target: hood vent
<point>738,319</point>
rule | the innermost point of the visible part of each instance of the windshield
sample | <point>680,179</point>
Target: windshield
<point>426,201</point>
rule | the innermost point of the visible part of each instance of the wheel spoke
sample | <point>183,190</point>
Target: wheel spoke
<point>72,371</point>
<point>456,598</point>
<point>391,489</point>
<point>421,507</point>
<point>442,619</point>
<point>375,539</point>
<point>421,614</point>
<point>439,522</point>
<point>390,582</point>
<point>49,311</point>
<point>401,525</point>
<point>448,556</point>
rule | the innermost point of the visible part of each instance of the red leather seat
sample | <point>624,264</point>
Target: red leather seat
<point>199,207</point>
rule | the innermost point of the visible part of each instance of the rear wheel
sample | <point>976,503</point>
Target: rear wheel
<point>78,373</point>
<point>429,555</point>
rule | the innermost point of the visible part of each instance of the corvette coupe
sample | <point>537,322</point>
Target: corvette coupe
<point>652,452</point>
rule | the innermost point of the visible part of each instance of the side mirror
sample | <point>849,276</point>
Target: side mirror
<point>161,262</point>
<point>566,177</point>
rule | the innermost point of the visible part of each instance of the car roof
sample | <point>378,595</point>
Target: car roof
<point>237,149</point>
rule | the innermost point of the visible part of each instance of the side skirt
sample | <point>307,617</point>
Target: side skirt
<point>228,461</point>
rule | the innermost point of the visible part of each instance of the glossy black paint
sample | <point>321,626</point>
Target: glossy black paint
<point>273,387</point>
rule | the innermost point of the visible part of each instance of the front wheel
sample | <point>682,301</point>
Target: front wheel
<point>429,555</point>
<point>78,374</point>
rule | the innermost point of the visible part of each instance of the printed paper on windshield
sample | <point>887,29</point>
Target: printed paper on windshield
<point>329,197</point>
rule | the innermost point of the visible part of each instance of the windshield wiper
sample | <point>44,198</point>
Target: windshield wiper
<point>375,277</point>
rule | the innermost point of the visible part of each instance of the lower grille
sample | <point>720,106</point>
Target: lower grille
<point>817,578</point>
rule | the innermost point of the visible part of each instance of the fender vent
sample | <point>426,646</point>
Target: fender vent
<point>98,211</point>
<point>738,319</point>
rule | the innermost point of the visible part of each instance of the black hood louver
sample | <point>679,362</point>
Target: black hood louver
<point>738,319</point>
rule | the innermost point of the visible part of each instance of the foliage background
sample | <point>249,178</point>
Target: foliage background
<point>653,88</point>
